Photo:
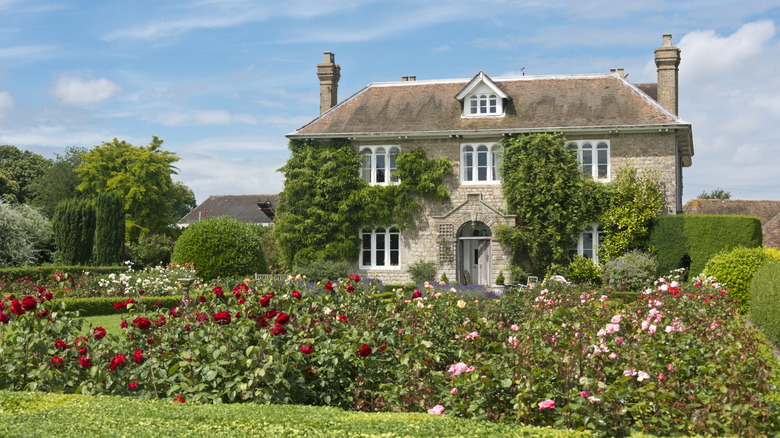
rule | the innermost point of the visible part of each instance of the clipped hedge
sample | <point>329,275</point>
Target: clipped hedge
<point>105,305</point>
<point>43,273</point>
<point>693,240</point>
<point>765,300</point>
<point>736,269</point>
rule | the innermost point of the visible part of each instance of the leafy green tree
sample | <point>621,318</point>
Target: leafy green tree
<point>25,236</point>
<point>553,202</point>
<point>21,168</point>
<point>142,174</point>
<point>74,231</point>
<point>59,182</point>
<point>182,200</point>
<point>715,194</point>
<point>633,201</point>
<point>109,228</point>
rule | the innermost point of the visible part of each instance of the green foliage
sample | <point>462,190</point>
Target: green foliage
<point>151,250</point>
<point>142,174</point>
<point>735,269</point>
<point>59,182</point>
<point>74,231</point>
<point>543,186</point>
<point>584,270</point>
<point>221,246</point>
<point>500,278</point>
<point>715,194</point>
<point>19,169</point>
<point>422,270</point>
<point>765,300</point>
<point>634,271</point>
<point>323,270</point>
<point>25,235</point>
<point>105,305</point>
<point>444,277</point>
<point>109,228</point>
<point>633,202</point>
<point>325,202</point>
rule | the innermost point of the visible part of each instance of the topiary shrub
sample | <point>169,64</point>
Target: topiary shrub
<point>736,269</point>
<point>584,270</point>
<point>500,279</point>
<point>323,270</point>
<point>151,250</point>
<point>765,300</point>
<point>220,246</point>
<point>632,271</point>
<point>422,270</point>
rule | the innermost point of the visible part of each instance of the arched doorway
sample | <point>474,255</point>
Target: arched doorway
<point>474,253</point>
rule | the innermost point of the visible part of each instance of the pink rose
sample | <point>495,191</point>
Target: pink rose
<point>454,391</point>
<point>437,410</point>
<point>616,319</point>
<point>547,404</point>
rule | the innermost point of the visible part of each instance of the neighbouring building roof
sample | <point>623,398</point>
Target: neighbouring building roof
<point>243,208</point>
<point>767,211</point>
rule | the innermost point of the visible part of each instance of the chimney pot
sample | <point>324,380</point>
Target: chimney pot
<point>412,78</point>
<point>620,72</point>
<point>404,78</point>
<point>667,40</point>
<point>612,70</point>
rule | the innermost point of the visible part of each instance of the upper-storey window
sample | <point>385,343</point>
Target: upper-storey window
<point>482,97</point>
<point>593,157</point>
<point>480,163</point>
<point>378,164</point>
<point>483,104</point>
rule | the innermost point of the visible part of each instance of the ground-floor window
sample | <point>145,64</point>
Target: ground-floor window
<point>588,242</point>
<point>380,247</point>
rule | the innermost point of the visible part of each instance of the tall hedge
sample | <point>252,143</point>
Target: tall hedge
<point>221,246</point>
<point>74,231</point>
<point>693,240</point>
<point>109,228</point>
<point>765,300</point>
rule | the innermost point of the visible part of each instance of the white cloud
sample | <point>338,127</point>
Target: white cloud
<point>6,103</point>
<point>77,91</point>
<point>203,117</point>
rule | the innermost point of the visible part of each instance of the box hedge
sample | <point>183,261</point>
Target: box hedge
<point>105,305</point>
<point>765,300</point>
<point>692,240</point>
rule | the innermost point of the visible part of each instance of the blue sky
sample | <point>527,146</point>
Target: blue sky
<point>222,81</point>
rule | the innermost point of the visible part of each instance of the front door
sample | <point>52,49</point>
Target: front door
<point>474,255</point>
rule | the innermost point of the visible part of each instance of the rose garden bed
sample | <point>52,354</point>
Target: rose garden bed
<point>678,360</point>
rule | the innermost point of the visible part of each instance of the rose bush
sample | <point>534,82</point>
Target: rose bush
<point>678,360</point>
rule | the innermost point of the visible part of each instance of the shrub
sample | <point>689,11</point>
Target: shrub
<point>323,270</point>
<point>109,228</point>
<point>74,231</point>
<point>499,279</point>
<point>736,269</point>
<point>220,246</point>
<point>422,270</point>
<point>765,300</point>
<point>444,277</point>
<point>584,270</point>
<point>632,271</point>
<point>151,250</point>
<point>25,235</point>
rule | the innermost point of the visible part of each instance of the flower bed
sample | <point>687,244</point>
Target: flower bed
<point>678,360</point>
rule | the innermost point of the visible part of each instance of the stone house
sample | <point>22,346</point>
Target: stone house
<point>609,121</point>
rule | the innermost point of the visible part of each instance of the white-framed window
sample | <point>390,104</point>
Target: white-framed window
<point>484,105</point>
<point>480,163</point>
<point>588,243</point>
<point>378,164</point>
<point>593,157</point>
<point>380,248</point>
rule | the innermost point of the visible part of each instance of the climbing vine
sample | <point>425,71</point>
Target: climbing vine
<point>325,202</point>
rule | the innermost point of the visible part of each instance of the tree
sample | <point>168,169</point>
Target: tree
<point>25,236</point>
<point>634,200</point>
<point>74,231</point>
<point>142,174</point>
<point>715,194</point>
<point>553,202</point>
<point>59,182</point>
<point>109,228</point>
<point>19,169</point>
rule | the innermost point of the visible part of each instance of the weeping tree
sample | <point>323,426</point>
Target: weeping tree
<point>74,231</point>
<point>109,228</point>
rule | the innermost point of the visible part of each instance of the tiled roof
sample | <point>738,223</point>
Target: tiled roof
<point>240,207</point>
<point>587,101</point>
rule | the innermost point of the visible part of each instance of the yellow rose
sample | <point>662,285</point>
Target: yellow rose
<point>461,304</point>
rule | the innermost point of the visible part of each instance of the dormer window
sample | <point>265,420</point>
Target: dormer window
<point>482,98</point>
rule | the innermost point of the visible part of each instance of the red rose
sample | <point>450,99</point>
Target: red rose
<point>350,288</point>
<point>129,300</point>
<point>222,318</point>
<point>364,351</point>
<point>159,321</point>
<point>218,292</point>
<point>271,313</point>
<point>118,361</point>
<point>57,362</point>
<point>179,399</point>
<point>42,314</point>
<point>120,305</point>
<point>150,341</point>
<point>241,300</point>
<point>123,324</point>
<point>283,318</point>
<point>342,318</point>
<point>383,348</point>
<point>142,323</point>
<point>82,351</point>
<point>99,332</point>
<point>278,329</point>
<point>133,385</point>
<point>262,322</point>
<point>29,303</point>
<point>306,349</point>
<point>85,362</point>
<point>59,343</point>
<point>237,315</point>
<point>16,308</point>
<point>416,294</point>
<point>297,295</point>
<point>4,318</point>
<point>354,277</point>
<point>201,317</point>
<point>265,300</point>
<point>48,296</point>
<point>328,286</point>
<point>175,312</point>
<point>138,356</point>
<point>79,340</point>
<point>202,299</point>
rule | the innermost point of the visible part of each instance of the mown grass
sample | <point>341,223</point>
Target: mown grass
<point>108,322</point>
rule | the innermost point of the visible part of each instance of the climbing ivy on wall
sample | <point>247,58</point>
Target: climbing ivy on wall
<point>325,202</point>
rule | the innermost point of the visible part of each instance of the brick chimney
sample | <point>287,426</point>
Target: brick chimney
<point>667,59</point>
<point>329,74</point>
